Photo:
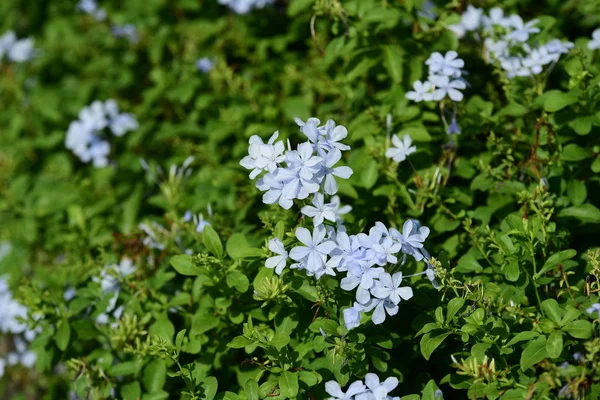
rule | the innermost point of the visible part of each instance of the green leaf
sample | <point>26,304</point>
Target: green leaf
<point>236,279</point>
<point>251,388</point>
<point>212,241</point>
<point>429,391</point>
<point>557,100</point>
<point>552,310</point>
<point>512,270</point>
<point>584,213</point>
<point>574,152</point>
<point>162,328</point>
<point>554,345</point>
<point>210,385</point>
<point>533,353</point>
<point>131,391</point>
<point>239,341</point>
<point>430,341</point>
<point>184,265</point>
<point>179,339</point>
<point>63,335</point>
<point>576,191</point>
<point>579,329</point>
<point>392,60</point>
<point>154,376</point>
<point>522,336</point>
<point>288,384</point>
<point>468,263</point>
<point>556,259</point>
<point>123,368</point>
<point>238,248</point>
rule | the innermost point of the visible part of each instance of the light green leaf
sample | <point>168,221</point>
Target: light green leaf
<point>212,241</point>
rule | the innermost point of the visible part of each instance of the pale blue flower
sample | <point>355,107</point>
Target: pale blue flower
<point>315,249</point>
<point>352,316</point>
<point>388,287</point>
<point>593,308</point>
<point>244,6</point>
<point>127,31</point>
<point>90,7</point>
<point>423,91</point>
<point>328,172</point>
<point>334,389</point>
<point>445,65</point>
<point>381,307</point>
<point>274,191</point>
<point>401,150</point>
<point>320,210</point>
<point>379,390</point>
<point>446,87</point>
<point>204,65</point>
<point>279,261</point>
<point>594,44</point>
<point>453,129</point>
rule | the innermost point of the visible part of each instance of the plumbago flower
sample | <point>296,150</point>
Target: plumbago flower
<point>371,389</point>
<point>329,249</point>
<point>12,315</point>
<point>510,42</point>
<point>594,44</point>
<point>14,50</point>
<point>402,148</point>
<point>444,80</point>
<point>244,6</point>
<point>85,138</point>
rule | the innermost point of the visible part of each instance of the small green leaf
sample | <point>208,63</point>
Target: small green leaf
<point>212,241</point>
<point>184,265</point>
<point>533,353</point>
<point>236,279</point>
<point>574,152</point>
<point>584,213</point>
<point>554,345</point>
<point>557,100</point>
<point>63,335</point>
<point>210,385</point>
<point>239,341</point>
<point>556,259</point>
<point>288,384</point>
<point>522,336</point>
<point>579,329</point>
<point>430,341</point>
<point>576,191</point>
<point>251,388</point>
<point>154,376</point>
<point>552,310</point>
<point>454,306</point>
<point>131,391</point>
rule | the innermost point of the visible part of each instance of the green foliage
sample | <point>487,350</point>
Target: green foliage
<point>512,204</point>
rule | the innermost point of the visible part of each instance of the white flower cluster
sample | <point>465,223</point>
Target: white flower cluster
<point>244,6</point>
<point>306,170</point>
<point>90,7</point>
<point>507,41</point>
<point>84,135</point>
<point>110,281</point>
<point>371,389</point>
<point>16,50</point>
<point>11,315</point>
<point>445,79</point>
<point>328,249</point>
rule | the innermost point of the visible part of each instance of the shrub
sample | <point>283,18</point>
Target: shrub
<point>432,235</point>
